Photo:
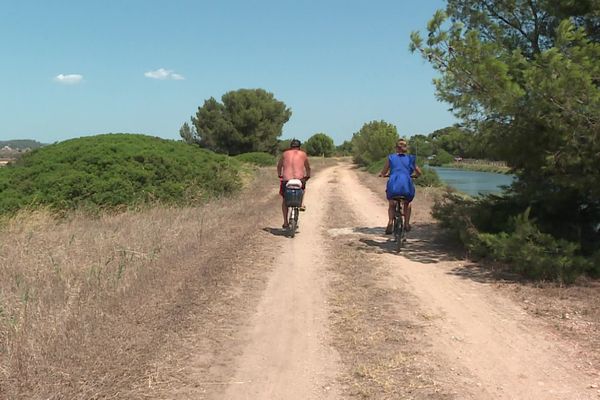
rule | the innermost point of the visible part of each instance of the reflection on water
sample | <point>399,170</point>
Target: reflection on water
<point>473,182</point>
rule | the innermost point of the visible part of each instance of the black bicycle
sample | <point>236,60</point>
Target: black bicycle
<point>399,228</point>
<point>293,195</point>
<point>293,220</point>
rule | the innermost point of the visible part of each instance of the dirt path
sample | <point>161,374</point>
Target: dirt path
<point>342,316</point>
<point>487,341</point>
<point>287,356</point>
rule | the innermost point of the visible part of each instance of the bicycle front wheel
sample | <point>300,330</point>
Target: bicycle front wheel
<point>399,234</point>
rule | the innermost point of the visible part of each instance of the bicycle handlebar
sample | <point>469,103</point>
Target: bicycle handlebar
<point>388,175</point>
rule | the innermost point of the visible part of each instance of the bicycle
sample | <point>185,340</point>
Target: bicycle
<point>293,195</point>
<point>399,229</point>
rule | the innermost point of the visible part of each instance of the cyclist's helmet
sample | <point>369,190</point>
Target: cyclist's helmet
<point>295,143</point>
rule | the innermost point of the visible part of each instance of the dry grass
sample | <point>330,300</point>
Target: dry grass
<point>86,302</point>
<point>88,306</point>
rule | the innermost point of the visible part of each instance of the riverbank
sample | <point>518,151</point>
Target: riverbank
<point>493,168</point>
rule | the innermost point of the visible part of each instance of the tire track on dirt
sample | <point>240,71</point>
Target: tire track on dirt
<point>489,343</point>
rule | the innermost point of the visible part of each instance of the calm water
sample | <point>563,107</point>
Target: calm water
<point>473,182</point>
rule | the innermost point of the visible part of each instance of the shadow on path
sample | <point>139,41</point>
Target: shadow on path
<point>277,231</point>
<point>482,273</point>
<point>424,243</point>
<point>430,246</point>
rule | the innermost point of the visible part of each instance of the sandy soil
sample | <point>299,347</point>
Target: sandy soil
<point>336,313</point>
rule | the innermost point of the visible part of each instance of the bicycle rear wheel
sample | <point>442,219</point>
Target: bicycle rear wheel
<point>399,227</point>
<point>293,221</point>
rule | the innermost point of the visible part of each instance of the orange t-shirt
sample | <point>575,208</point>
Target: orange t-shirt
<point>293,164</point>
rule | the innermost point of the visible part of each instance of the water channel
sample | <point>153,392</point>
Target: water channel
<point>473,183</point>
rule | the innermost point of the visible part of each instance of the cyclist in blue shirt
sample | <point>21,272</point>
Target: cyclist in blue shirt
<point>401,167</point>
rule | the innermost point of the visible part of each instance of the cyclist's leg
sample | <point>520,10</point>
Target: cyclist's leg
<point>391,214</point>
<point>303,206</point>
<point>284,208</point>
<point>407,211</point>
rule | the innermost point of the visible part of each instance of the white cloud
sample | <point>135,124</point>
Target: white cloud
<point>163,74</point>
<point>68,79</point>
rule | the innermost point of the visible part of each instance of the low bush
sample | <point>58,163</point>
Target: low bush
<point>441,157</point>
<point>376,167</point>
<point>257,158</point>
<point>429,178</point>
<point>114,171</point>
<point>487,230</point>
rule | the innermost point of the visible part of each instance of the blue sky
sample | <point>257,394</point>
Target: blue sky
<point>78,68</point>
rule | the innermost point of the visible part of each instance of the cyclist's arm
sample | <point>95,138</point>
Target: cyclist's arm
<point>280,167</point>
<point>386,168</point>
<point>307,168</point>
<point>418,171</point>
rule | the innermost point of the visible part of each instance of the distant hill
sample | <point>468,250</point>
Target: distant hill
<point>21,144</point>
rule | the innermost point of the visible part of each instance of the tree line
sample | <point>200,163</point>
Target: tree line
<point>251,120</point>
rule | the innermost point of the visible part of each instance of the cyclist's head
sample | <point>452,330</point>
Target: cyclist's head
<point>402,145</point>
<point>295,143</point>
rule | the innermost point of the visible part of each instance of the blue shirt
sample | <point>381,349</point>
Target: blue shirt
<point>400,182</point>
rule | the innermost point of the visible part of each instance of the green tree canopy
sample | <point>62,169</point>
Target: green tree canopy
<point>421,146</point>
<point>283,144</point>
<point>247,120</point>
<point>525,73</point>
<point>319,144</point>
<point>344,149</point>
<point>374,141</point>
<point>187,134</point>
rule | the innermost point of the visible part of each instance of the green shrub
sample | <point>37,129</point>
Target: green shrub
<point>377,166</point>
<point>319,144</point>
<point>115,170</point>
<point>454,212</point>
<point>532,253</point>
<point>522,246</point>
<point>374,141</point>
<point>441,157</point>
<point>344,149</point>
<point>428,178</point>
<point>257,158</point>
